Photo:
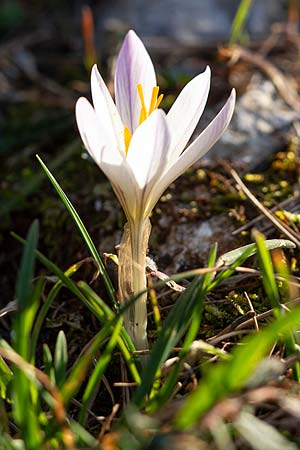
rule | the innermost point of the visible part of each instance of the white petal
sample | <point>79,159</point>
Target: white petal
<point>186,112</point>
<point>106,109</point>
<point>92,131</point>
<point>197,149</point>
<point>148,150</point>
<point>107,157</point>
<point>123,182</point>
<point>134,67</point>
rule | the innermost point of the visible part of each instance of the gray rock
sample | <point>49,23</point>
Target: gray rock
<point>189,243</point>
<point>259,125</point>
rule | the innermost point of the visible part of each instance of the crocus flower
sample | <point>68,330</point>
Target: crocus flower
<point>139,147</point>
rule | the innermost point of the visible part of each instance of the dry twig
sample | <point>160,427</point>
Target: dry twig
<point>285,87</point>
<point>286,230</point>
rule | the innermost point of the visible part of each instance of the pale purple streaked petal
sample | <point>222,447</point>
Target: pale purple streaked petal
<point>134,67</point>
<point>108,158</point>
<point>148,150</point>
<point>186,112</point>
<point>196,150</point>
<point>106,110</point>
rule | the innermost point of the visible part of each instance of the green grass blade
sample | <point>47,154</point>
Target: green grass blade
<point>84,233</point>
<point>97,373</point>
<point>228,377</point>
<point>230,257</point>
<point>80,368</point>
<point>6,376</point>
<point>124,342</point>
<point>167,389</point>
<point>239,21</point>
<point>25,410</point>
<point>173,329</point>
<point>210,263</point>
<point>165,392</point>
<point>107,313</point>
<point>24,287</point>
<point>221,276</point>
<point>272,291</point>
<point>65,279</point>
<point>266,267</point>
<point>48,363</point>
<point>46,305</point>
<point>95,304</point>
<point>83,437</point>
<point>50,394</point>
<point>60,358</point>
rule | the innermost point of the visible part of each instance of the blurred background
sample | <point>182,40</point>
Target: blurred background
<point>46,51</point>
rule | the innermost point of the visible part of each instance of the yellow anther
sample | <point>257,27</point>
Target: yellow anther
<point>158,101</point>
<point>144,114</point>
<point>153,101</point>
<point>127,138</point>
<point>141,95</point>
<point>154,104</point>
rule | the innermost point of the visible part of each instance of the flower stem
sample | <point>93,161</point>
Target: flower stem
<point>132,279</point>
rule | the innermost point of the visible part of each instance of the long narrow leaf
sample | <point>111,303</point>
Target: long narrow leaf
<point>98,372</point>
<point>247,252</point>
<point>230,257</point>
<point>45,308</point>
<point>272,291</point>
<point>228,377</point>
<point>239,21</point>
<point>24,409</point>
<point>84,233</point>
<point>125,343</point>
<point>210,263</point>
<point>24,281</point>
<point>79,371</point>
<point>173,329</point>
<point>6,376</point>
<point>266,266</point>
<point>83,437</point>
<point>60,358</point>
<point>166,390</point>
